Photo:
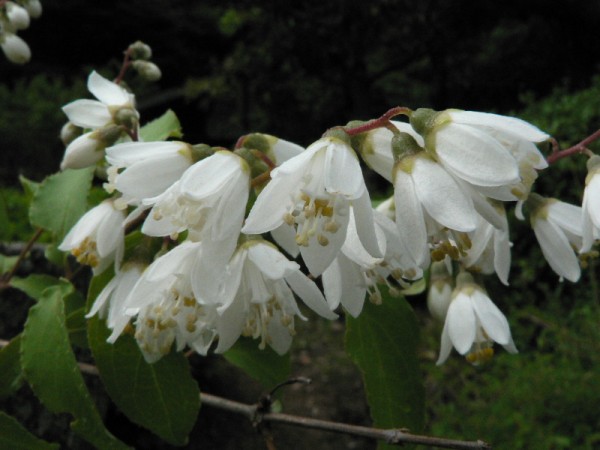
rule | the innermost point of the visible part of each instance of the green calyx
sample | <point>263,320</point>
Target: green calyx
<point>199,152</point>
<point>340,134</point>
<point>403,146</point>
<point>536,205</point>
<point>257,165</point>
<point>257,141</point>
<point>425,120</point>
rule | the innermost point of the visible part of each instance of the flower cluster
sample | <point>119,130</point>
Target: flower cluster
<point>14,17</point>
<point>226,217</point>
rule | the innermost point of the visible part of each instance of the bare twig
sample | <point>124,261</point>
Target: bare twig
<point>6,279</point>
<point>258,417</point>
<point>580,147</point>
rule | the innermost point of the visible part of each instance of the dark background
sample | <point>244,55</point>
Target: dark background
<point>291,69</point>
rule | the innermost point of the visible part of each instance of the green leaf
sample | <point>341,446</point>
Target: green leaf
<point>161,129</point>
<point>382,341</point>
<point>265,366</point>
<point>77,327</point>
<point>7,263</point>
<point>162,397</point>
<point>35,284</point>
<point>60,200</point>
<point>51,370</point>
<point>15,437</point>
<point>10,368</point>
<point>30,187</point>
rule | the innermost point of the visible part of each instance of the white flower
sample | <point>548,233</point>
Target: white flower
<point>166,307</point>
<point>258,297</point>
<point>473,323</point>
<point>15,48</point>
<point>150,168</point>
<point>313,192</point>
<point>558,229</point>
<point>209,200</point>
<point>591,204</point>
<point>97,238</point>
<point>482,149</point>
<point>114,105</point>
<point>424,192</point>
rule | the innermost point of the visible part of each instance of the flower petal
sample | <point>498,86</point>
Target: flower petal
<point>343,174</point>
<point>88,113</point>
<point>557,250</point>
<point>409,218</point>
<point>492,320</point>
<point>462,326</point>
<point>310,294</point>
<point>511,125</point>
<point>106,91</point>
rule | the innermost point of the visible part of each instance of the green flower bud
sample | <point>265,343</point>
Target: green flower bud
<point>339,133</point>
<point>139,50</point>
<point>148,70</point>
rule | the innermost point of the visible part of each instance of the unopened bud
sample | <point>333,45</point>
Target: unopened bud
<point>17,16</point>
<point>139,50</point>
<point>84,151</point>
<point>15,48</point>
<point>147,70</point>
<point>34,8</point>
<point>69,132</point>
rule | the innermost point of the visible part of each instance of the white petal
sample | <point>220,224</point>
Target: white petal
<point>492,320</point>
<point>343,174</point>
<point>128,153</point>
<point>310,294</point>
<point>270,261</point>
<point>502,255</point>
<point>475,156</point>
<point>230,326</point>
<point>512,125</point>
<point>352,286</point>
<point>409,217</point>
<point>566,216</point>
<point>106,91</point>
<point>285,236</point>
<point>362,212</point>
<point>441,196</point>
<point>557,250</point>
<point>284,150</point>
<point>88,113</point>
<point>461,322</point>
<point>446,345</point>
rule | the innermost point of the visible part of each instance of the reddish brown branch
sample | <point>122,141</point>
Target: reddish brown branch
<point>580,147</point>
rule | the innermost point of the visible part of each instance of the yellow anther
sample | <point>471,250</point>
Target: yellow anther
<point>322,240</point>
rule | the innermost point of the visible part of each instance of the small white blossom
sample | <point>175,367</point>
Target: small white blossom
<point>97,238</point>
<point>473,323</point>
<point>114,105</point>
<point>313,192</point>
<point>17,16</point>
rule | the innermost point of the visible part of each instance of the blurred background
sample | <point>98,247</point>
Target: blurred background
<point>294,69</point>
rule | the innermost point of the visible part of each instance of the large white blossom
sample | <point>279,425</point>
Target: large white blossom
<point>257,297</point>
<point>473,323</point>
<point>313,192</point>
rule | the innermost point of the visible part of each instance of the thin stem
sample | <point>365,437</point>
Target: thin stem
<point>124,66</point>
<point>262,178</point>
<point>383,121</point>
<point>6,279</point>
<point>581,147</point>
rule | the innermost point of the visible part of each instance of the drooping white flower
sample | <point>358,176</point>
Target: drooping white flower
<point>257,297</point>
<point>87,149</point>
<point>209,200</point>
<point>424,192</point>
<point>165,308</point>
<point>114,105</point>
<point>473,323</point>
<point>97,238</point>
<point>480,148</point>
<point>148,168</point>
<point>591,204</point>
<point>354,272</point>
<point>312,192</point>
<point>558,228</point>
<point>16,49</point>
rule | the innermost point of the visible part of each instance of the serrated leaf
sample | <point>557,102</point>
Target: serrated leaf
<point>60,200</point>
<point>382,341</point>
<point>33,285</point>
<point>50,368</point>
<point>162,397</point>
<point>161,129</point>
<point>15,437</point>
<point>10,368</point>
<point>265,366</point>
<point>77,327</point>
